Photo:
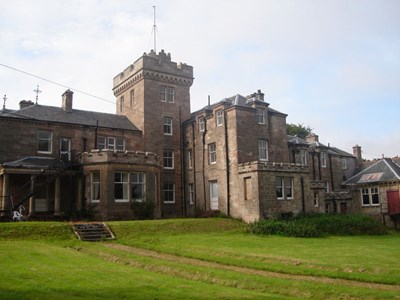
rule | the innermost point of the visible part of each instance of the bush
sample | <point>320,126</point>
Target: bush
<point>320,225</point>
<point>143,210</point>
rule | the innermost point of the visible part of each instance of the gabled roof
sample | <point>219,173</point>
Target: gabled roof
<point>77,117</point>
<point>340,152</point>
<point>382,171</point>
<point>33,162</point>
<point>296,140</point>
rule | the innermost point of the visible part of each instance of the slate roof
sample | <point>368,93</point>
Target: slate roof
<point>77,117</point>
<point>296,140</point>
<point>383,170</point>
<point>33,162</point>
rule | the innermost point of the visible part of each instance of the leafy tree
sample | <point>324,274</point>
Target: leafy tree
<point>299,130</point>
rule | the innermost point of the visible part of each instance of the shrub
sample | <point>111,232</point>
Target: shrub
<point>320,225</point>
<point>143,210</point>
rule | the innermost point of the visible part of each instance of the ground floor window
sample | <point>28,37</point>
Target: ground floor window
<point>121,184</point>
<point>284,187</point>
<point>169,192</point>
<point>370,196</point>
<point>138,186</point>
<point>95,186</point>
<point>191,193</point>
<point>316,200</point>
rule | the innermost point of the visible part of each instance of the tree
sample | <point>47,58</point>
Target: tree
<point>298,130</point>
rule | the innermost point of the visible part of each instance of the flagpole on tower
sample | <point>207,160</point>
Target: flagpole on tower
<point>154,28</point>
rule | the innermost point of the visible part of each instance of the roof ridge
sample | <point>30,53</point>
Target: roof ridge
<point>390,167</point>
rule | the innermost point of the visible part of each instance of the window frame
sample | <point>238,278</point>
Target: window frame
<point>190,159</point>
<point>111,141</point>
<point>260,116</point>
<point>167,189</point>
<point>141,183</point>
<point>48,140</point>
<point>169,158</point>
<point>285,190</point>
<point>344,163</point>
<point>303,157</point>
<point>212,153</point>
<point>93,185</point>
<point>323,159</point>
<point>219,118</point>
<point>263,150</point>
<point>202,124</point>
<point>121,104</point>
<point>191,193</point>
<point>167,124</point>
<point>371,194</point>
<point>124,187</point>
<point>132,97</point>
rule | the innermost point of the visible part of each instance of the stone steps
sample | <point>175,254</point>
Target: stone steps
<point>93,232</point>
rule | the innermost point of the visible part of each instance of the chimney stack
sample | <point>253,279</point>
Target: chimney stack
<point>312,138</point>
<point>25,103</point>
<point>357,152</point>
<point>67,101</point>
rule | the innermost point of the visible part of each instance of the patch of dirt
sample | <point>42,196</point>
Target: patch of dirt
<point>249,271</point>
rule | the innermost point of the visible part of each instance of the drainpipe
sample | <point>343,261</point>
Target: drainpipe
<point>194,165</point>
<point>319,164</point>
<point>228,196</point>
<point>331,171</point>
<point>204,173</point>
<point>183,167</point>
<point>303,202</point>
<point>95,134</point>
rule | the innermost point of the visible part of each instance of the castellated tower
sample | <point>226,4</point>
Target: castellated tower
<point>154,93</point>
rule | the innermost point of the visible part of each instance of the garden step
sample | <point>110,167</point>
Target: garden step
<point>93,232</point>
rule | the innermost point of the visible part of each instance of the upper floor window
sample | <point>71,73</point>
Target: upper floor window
<point>260,115</point>
<point>326,187</point>
<point>167,126</point>
<point>370,196</point>
<point>323,159</point>
<point>121,104</point>
<point>190,158</point>
<point>263,149</point>
<point>132,97</point>
<point>168,159</point>
<point>220,118</point>
<point>344,163</point>
<point>110,143</point>
<point>45,141</point>
<point>303,157</point>
<point>284,187</point>
<point>95,186</point>
<point>202,124</point>
<point>167,94</point>
<point>212,153</point>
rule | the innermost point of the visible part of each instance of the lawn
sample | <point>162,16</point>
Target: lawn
<point>193,259</point>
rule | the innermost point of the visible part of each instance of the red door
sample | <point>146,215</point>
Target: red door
<point>393,199</point>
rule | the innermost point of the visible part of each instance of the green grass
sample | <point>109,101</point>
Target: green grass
<point>193,259</point>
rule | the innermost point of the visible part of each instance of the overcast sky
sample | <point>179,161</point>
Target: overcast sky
<point>330,65</point>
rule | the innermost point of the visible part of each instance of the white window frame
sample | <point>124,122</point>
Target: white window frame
<point>286,189</point>
<point>120,144</point>
<point>191,193</point>
<point>138,179</point>
<point>111,143</point>
<point>280,187</point>
<point>168,159</point>
<point>323,159</point>
<point>170,94</point>
<point>124,182</point>
<point>370,192</point>
<point>261,116</point>
<point>303,157</point>
<point>202,124</point>
<point>289,191</point>
<point>326,187</point>
<point>93,186</point>
<point>167,127</point>
<point>168,188</point>
<point>316,199</point>
<point>263,150</point>
<point>48,139</point>
<point>190,159</point>
<point>212,153</point>
<point>344,163</point>
<point>219,118</point>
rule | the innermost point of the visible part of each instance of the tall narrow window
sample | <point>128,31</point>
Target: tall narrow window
<point>202,125</point>
<point>263,149</point>
<point>316,200</point>
<point>121,184</point>
<point>220,118</point>
<point>288,187</point>
<point>260,116</point>
<point>45,141</point>
<point>323,159</point>
<point>212,153</point>
<point>344,163</point>
<point>167,126</point>
<point>95,186</point>
<point>284,187</point>
<point>303,157</point>
<point>279,187</point>
<point>190,159</point>
<point>168,159</point>
<point>248,193</point>
<point>163,93</point>
<point>191,193</point>
<point>121,104</point>
<point>169,192</point>
<point>132,97</point>
<point>138,187</point>
<point>170,94</point>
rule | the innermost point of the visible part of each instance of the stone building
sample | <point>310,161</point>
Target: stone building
<point>233,156</point>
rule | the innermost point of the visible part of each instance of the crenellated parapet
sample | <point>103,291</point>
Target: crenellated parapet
<point>122,157</point>
<point>153,66</point>
<point>255,166</point>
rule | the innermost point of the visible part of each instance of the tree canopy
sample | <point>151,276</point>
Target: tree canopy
<point>298,130</point>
